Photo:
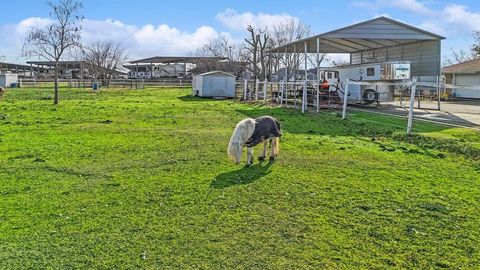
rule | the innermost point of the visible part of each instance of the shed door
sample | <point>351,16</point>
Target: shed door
<point>470,79</point>
<point>218,86</point>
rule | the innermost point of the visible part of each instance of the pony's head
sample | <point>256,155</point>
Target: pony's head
<point>243,131</point>
<point>235,151</point>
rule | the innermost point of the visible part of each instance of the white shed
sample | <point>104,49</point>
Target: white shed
<point>7,79</point>
<point>214,84</point>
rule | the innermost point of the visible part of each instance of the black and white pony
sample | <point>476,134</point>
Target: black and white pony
<point>250,132</point>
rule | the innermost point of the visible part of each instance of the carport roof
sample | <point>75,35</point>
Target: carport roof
<point>372,34</point>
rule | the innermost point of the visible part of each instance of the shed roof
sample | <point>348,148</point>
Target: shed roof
<point>472,66</point>
<point>177,59</point>
<point>372,34</point>
<point>215,72</point>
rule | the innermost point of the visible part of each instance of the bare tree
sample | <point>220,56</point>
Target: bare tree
<point>257,46</point>
<point>222,46</point>
<point>476,44</point>
<point>53,42</point>
<point>287,32</point>
<point>459,56</point>
<point>104,59</point>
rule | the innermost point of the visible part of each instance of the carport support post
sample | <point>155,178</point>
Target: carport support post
<point>285,87</point>
<point>304,100</point>
<point>318,74</point>
<point>245,86</point>
<point>410,111</point>
<point>294,71</point>
<point>345,98</point>
<point>438,92</point>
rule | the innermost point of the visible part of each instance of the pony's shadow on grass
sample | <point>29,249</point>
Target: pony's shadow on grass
<point>242,176</point>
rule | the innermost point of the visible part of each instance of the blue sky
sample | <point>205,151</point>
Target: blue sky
<point>178,27</point>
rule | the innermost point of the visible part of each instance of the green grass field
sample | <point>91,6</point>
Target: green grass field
<point>125,179</point>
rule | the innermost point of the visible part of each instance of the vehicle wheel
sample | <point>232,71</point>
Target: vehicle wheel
<point>370,96</point>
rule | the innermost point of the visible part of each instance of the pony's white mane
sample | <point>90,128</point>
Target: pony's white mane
<point>243,131</point>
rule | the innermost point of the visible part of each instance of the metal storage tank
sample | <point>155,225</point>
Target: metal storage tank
<point>214,84</point>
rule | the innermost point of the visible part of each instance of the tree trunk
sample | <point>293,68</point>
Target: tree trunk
<point>56,94</point>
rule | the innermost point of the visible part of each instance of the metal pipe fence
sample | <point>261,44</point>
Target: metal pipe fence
<point>114,83</point>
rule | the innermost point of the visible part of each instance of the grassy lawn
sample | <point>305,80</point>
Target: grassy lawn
<point>140,179</point>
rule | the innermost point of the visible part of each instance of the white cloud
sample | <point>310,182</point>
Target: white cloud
<point>140,41</point>
<point>239,21</point>
<point>433,27</point>
<point>450,20</point>
<point>460,15</point>
<point>409,5</point>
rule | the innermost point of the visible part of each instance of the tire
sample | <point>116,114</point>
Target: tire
<point>370,96</point>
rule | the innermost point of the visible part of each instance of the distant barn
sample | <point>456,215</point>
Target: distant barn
<point>216,84</point>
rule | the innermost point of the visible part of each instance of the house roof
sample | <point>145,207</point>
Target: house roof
<point>472,66</point>
<point>217,71</point>
<point>372,34</point>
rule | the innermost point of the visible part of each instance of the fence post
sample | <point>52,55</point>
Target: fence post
<point>245,87</point>
<point>280,94</point>
<point>265,91</point>
<point>418,96</point>
<point>410,111</point>
<point>304,95</point>
<point>257,85</point>
<point>345,100</point>
<point>318,97</point>
<point>180,82</point>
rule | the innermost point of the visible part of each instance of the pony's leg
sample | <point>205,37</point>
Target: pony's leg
<point>249,156</point>
<point>264,153</point>
<point>273,154</point>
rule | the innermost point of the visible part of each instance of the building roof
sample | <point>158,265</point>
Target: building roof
<point>372,34</point>
<point>13,65</point>
<point>215,72</point>
<point>472,66</point>
<point>52,63</point>
<point>177,59</point>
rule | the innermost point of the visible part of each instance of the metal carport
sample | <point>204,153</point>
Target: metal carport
<point>376,40</point>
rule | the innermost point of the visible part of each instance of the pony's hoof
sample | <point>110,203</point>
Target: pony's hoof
<point>261,158</point>
<point>248,165</point>
<point>272,158</point>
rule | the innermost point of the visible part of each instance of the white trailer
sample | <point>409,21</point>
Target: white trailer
<point>7,79</point>
<point>387,72</point>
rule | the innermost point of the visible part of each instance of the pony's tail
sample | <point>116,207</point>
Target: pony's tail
<point>276,146</point>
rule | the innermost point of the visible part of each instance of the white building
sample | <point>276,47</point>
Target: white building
<point>466,73</point>
<point>7,79</point>
<point>214,84</point>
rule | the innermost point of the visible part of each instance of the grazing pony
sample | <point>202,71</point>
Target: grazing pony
<point>250,132</point>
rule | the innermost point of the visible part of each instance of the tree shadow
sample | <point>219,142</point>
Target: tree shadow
<point>242,176</point>
<point>329,122</point>
<point>190,98</point>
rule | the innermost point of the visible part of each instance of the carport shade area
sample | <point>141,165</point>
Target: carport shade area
<point>377,40</point>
